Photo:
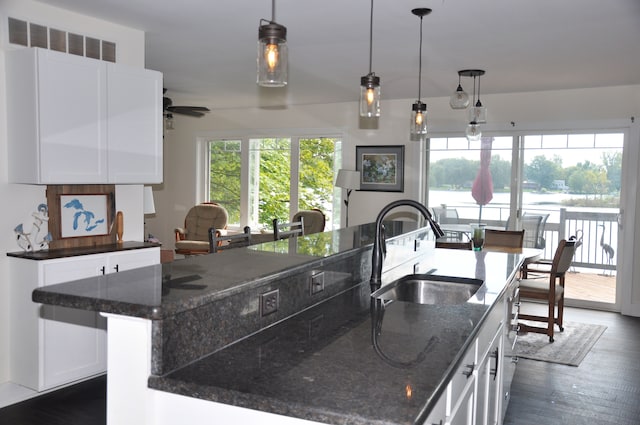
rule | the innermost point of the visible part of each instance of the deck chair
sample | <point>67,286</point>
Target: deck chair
<point>221,242</point>
<point>550,290</point>
<point>534,225</point>
<point>503,238</point>
<point>287,230</point>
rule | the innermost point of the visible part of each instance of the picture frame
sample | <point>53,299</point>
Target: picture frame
<point>84,215</point>
<point>381,168</point>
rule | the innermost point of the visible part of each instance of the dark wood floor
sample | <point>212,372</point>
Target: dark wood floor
<point>80,404</point>
<point>603,390</point>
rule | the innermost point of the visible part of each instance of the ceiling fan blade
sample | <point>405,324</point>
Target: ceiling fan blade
<point>183,111</point>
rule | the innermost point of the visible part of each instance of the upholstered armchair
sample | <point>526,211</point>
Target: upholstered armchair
<point>314,220</point>
<point>193,238</point>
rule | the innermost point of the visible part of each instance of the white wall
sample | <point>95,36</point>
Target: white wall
<point>21,200</point>
<point>560,109</point>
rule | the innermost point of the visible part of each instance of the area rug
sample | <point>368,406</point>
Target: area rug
<point>569,347</point>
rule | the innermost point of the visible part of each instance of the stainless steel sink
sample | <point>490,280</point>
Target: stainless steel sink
<point>429,289</point>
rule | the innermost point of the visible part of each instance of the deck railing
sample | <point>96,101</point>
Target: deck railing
<point>596,232</point>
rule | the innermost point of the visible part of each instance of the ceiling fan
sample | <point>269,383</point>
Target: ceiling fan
<point>192,111</point>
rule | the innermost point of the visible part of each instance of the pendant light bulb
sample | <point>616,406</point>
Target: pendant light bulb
<point>473,132</point>
<point>370,96</point>
<point>418,126</point>
<point>418,129</point>
<point>370,83</point>
<point>272,53</point>
<point>459,99</point>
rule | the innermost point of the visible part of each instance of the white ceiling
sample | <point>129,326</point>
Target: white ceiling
<point>207,48</point>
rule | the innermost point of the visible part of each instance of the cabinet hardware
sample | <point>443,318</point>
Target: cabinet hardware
<point>116,268</point>
<point>496,354</point>
<point>469,372</point>
<point>103,269</point>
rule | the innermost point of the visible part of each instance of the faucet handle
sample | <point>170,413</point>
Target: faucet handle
<point>383,241</point>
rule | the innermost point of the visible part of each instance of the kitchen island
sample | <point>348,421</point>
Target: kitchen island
<point>199,340</point>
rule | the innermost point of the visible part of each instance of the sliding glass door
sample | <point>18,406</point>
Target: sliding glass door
<point>569,184</point>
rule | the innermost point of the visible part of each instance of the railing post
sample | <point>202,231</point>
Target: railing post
<point>562,226</point>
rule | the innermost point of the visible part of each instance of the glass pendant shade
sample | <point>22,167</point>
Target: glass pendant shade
<point>272,55</point>
<point>459,99</point>
<point>478,113</point>
<point>473,132</point>
<point>418,129</point>
<point>370,96</point>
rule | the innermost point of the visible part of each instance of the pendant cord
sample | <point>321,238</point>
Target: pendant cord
<point>370,38</point>
<point>420,63</point>
<point>273,11</point>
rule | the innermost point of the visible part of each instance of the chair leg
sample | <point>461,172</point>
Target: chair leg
<point>551,320</point>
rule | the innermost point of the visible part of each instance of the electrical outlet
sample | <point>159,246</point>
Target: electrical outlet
<point>269,302</point>
<point>317,282</point>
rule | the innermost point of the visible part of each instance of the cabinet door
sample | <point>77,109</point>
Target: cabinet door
<point>121,261</point>
<point>489,383</point>
<point>134,124</point>
<point>462,413</point>
<point>73,342</point>
<point>72,119</point>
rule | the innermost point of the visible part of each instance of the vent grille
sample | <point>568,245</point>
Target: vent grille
<point>28,34</point>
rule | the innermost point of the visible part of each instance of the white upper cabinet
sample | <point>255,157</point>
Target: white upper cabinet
<point>74,120</point>
<point>134,124</point>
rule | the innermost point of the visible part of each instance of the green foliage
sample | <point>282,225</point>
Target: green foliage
<point>315,188</point>
<point>224,176</point>
<point>543,171</point>
<point>274,179</point>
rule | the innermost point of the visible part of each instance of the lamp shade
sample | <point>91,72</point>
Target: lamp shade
<point>148,206</point>
<point>348,179</point>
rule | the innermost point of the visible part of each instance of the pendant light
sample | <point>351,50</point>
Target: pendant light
<point>459,99</point>
<point>477,112</point>
<point>272,52</point>
<point>370,83</point>
<point>418,129</point>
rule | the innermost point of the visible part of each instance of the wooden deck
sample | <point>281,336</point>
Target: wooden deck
<point>591,285</point>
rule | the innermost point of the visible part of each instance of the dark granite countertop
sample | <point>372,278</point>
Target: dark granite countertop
<point>51,254</point>
<point>163,290</point>
<point>321,365</point>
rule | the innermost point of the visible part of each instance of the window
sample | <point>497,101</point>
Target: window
<point>283,175</point>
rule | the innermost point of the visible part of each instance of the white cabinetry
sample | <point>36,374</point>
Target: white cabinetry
<point>473,395</point>
<point>51,345</point>
<point>75,120</point>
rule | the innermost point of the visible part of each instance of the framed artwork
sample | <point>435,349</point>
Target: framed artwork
<point>84,215</point>
<point>381,168</point>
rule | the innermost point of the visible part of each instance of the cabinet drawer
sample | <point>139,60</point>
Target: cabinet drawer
<point>492,323</point>
<point>462,376</point>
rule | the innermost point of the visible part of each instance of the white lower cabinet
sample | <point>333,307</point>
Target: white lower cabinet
<point>473,395</point>
<point>51,345</point>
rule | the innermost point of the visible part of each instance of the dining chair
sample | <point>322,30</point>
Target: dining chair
<point>449,244</point>
<point>314,220</point>
<point>287,230</point>
<point>503,238</point>
<point>218,241</point>
<point>550,290</point>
